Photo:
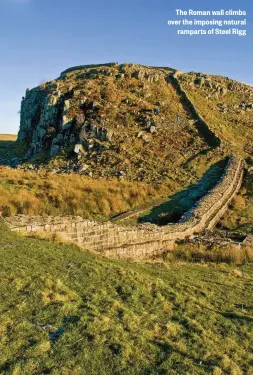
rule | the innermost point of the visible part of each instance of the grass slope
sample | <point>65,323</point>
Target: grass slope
<point>23,192</point>
<point>225,114</point>
<point>42,193</point>
<point>63,311</point>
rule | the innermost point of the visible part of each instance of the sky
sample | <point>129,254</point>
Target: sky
<point>41,38</point>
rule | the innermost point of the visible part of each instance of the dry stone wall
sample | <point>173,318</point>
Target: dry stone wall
<point>210,137</point>
<point>143,240</point>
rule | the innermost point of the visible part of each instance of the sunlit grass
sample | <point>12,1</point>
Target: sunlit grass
<point>47,194</point>
<point>65,311</point>
<point>8,137</point>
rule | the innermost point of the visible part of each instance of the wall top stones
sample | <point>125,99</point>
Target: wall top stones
<point>80,67</point>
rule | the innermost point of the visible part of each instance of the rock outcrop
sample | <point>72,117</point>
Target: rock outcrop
<point>128,121</point>
<point>58,114</point>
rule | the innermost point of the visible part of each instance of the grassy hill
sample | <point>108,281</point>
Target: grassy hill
<point>124,138</point>
<point>239,217</point>
<point>128,120</point>
<point>63,311</point>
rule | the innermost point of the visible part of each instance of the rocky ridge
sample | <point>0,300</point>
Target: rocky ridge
<point>110,120</point>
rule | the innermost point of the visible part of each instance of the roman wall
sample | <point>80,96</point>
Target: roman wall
<point>141,241</point>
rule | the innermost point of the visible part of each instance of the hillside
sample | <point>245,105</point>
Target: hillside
<point>124,144</point>
<point>65,311</point>
<point>116,119</point>
<point>30,193</point>
<point>240,215</point>
<point>131,122</point>
<point>226,105</point>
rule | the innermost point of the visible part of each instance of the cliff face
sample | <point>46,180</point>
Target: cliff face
<point>41,112</point>
<point>127,121</point>
<point>74,108</point>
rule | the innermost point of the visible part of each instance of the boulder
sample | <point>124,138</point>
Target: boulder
<point>138,74</point>
<point>79,149</point>
<point>109,135</point>
<point>223,91</point>
<point>200,81</point>
<point>84,168</point>
<point>152,129</point>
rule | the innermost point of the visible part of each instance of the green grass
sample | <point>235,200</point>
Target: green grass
<point>64,311</point>
<point>9,148</point>
<point>235,127</point>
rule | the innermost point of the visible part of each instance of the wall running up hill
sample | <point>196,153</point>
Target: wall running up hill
<point>144,240</point>
<point>210,137</point>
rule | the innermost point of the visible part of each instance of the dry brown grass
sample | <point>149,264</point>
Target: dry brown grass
<point>239,202</point>
<point>47,194</point>
<point>215,253</point>
<point>8,137</point>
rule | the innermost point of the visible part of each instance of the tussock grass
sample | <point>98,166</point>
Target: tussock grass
<point>213,253</point>
<point>47,194</point>
<point>63,311</point>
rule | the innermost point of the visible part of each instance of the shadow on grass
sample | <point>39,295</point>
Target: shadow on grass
<point>172,210</point>
<point>230,314</point>
<point>234,315</point>
<point>166,350</point>
<point>6,144</point>
<point>6,148</point>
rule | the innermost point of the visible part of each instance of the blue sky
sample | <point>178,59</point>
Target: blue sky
<point>41,38</point>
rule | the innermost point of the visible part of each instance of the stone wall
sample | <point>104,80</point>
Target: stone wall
<point>210,137</point>
<point>143,240</point>
<point>80,67</point>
